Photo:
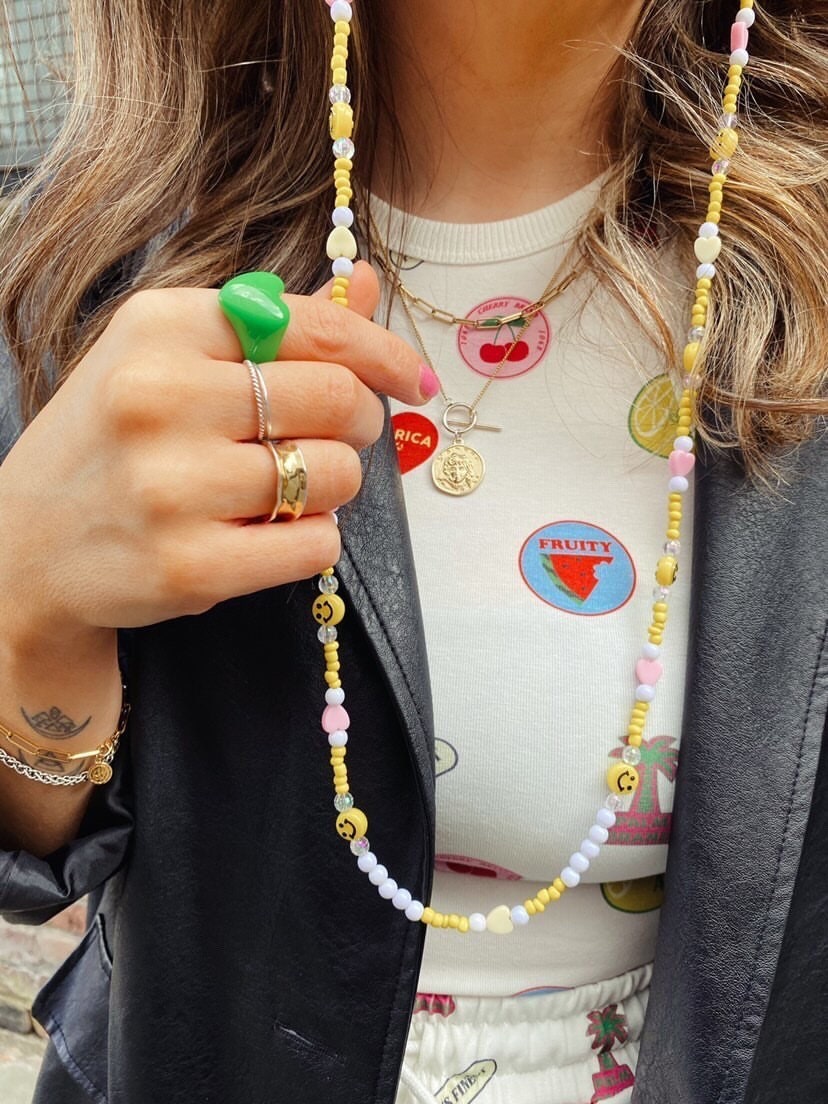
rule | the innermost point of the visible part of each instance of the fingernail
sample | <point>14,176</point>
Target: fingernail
<point>429,384</point>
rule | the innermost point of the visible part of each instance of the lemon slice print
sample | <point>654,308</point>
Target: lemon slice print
<point>654,416</point>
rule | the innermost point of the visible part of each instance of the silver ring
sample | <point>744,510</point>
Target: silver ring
<point>277,460</point>
<point>262,400</point>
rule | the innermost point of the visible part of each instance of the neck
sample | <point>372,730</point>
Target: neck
<point>504,106</point>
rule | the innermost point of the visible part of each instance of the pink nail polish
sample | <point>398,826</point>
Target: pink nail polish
<point>429,384</point>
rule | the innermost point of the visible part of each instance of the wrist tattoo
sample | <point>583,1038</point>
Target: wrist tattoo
<point>54,724</point>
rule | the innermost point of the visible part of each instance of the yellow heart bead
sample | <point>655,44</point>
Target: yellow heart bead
<point>707,249</point>
<point>341,243</point>
<point>499,920</point>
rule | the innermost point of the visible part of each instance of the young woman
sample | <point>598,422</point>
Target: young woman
<point>529,180</point>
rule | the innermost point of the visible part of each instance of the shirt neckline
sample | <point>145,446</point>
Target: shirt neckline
<point>470,243</point>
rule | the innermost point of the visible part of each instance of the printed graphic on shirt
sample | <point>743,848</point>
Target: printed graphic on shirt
<point>644,823</point>
<point>479,868</point>
<point>484,349</point>
<point>608,1027</point>
<point>435,1004</point>
<point>578,568</point>
<point>653,416</point>
<point>639,895</point>
<point>416,438</point>
<point>445,757</point>
<point>467,1085</point>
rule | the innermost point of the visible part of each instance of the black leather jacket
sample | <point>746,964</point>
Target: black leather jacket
<point>235,957</point>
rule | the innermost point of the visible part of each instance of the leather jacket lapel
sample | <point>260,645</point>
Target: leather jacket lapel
<point>755,709</point>
<point>377,568</point>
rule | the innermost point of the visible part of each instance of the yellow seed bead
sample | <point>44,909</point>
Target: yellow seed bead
<point>454,920</point>
<point>332,679</point>
<point>340,771</point>
<point>343,163</point>
<point>333,666</point>
<point>342,26</point>
<point>340,39</point>
<point>705,284</point>
<point>544,896</point>
<point>673,534</point>
<point>327,572</point>
<point>463,926</point>
<point>719,178</point>
<point>691,351</point>
<point>553,893</point>
<point>347,193</point>
<point>428,916</point>
<point>340,302</point>
<point>437,922</point>
<point>340,76</point>
<point>342,177</point>
<point>634,739</point>
<point>331,646</point>
<point>735,71</point>
<point>341,788</point>
<point>338,753</point>
<point>529,905</point>
<point>342,282</point>
<point>539,905</point>
<point>560,886</point>
<point>715,216</point>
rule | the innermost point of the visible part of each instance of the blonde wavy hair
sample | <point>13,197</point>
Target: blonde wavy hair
<point>217,108</point>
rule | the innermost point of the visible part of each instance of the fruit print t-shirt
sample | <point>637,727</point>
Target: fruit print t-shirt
<point>536,591</point>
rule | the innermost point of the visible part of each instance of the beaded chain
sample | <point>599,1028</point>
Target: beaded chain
<point>329,609</point>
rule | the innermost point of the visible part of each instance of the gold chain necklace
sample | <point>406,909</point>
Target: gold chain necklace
<point>459,469</point>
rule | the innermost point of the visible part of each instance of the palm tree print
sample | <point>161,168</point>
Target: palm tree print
<point>644,823</point>
<point>609,1028</point>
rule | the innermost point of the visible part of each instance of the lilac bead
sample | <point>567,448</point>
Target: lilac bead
<point>335,697</point>
<point>377,875</point>
<point>360,846</point>
<point>341,9</point>
<point>343,267</point>
<point>342,216</point>
<point>644,693</point>
<point>338,738</point>
<point>387,889</point>
<point>740,57</point>
<point>708,230</point>
<point>367,862</point>
<point>570,877</point>
<point>720,166</point>
<point>678,484</point>
<point>415,911</point>
<point>519,916</point>
<point>598,834</point>
<point>746,16</point>
<point>401,899</point>
<point>706,271</point>
<point>683,444</point>
<point>579,862</point>
<point>590,849</point>
<point>477,922</point>
<point>605,818</point>
<point>651,651</point>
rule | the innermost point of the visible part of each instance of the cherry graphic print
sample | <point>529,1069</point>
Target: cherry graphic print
<point>484,349</point>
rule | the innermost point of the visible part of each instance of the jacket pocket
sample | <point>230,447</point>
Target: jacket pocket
<point>73,1007</point>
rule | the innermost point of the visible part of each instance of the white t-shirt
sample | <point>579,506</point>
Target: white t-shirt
<point>536,591</point>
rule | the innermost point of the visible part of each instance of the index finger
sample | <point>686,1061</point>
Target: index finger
<point>320,330</point>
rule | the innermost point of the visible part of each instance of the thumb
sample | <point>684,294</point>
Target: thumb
<point>363,290</point>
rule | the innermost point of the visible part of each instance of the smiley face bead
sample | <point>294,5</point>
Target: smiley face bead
<point>666,571</point>
<point>352,824</point>
<point>328,610</point>
<point>622,779</point>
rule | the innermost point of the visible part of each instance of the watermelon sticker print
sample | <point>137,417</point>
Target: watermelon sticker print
<point>578,568</point>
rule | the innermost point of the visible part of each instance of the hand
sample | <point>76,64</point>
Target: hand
<point>128,499</point>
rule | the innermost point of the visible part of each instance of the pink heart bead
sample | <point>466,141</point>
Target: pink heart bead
<point>681,463</point>
<point>335,718</point>
<point>648,671</point>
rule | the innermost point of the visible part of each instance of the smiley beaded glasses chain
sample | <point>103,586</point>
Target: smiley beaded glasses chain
<point>329,609</point>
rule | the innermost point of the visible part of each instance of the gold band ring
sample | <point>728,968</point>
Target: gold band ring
<point>291,480</point>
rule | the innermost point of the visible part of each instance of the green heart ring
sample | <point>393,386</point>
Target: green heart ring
<point>254,307</point>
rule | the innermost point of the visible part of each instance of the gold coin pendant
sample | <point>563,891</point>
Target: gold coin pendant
<point>100,773</point>
<point>458,470</point>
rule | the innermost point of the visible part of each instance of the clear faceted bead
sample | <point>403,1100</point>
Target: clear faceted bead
<point>672,548</point>
<point>328,584</point>
<point>344,147</point>
<point>631,755</point>
<point>720,166</point>
<point>343,802</point>
<point>690,382</point>
<point>360,846</point>
<point>728,120</point>
<point>661,594</point>
<point>696,334</point>
<point>340,93</point>
<point>327,634</point>
<point>613,803</point>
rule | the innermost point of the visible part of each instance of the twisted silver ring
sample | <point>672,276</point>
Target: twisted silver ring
<point>262,400</point>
